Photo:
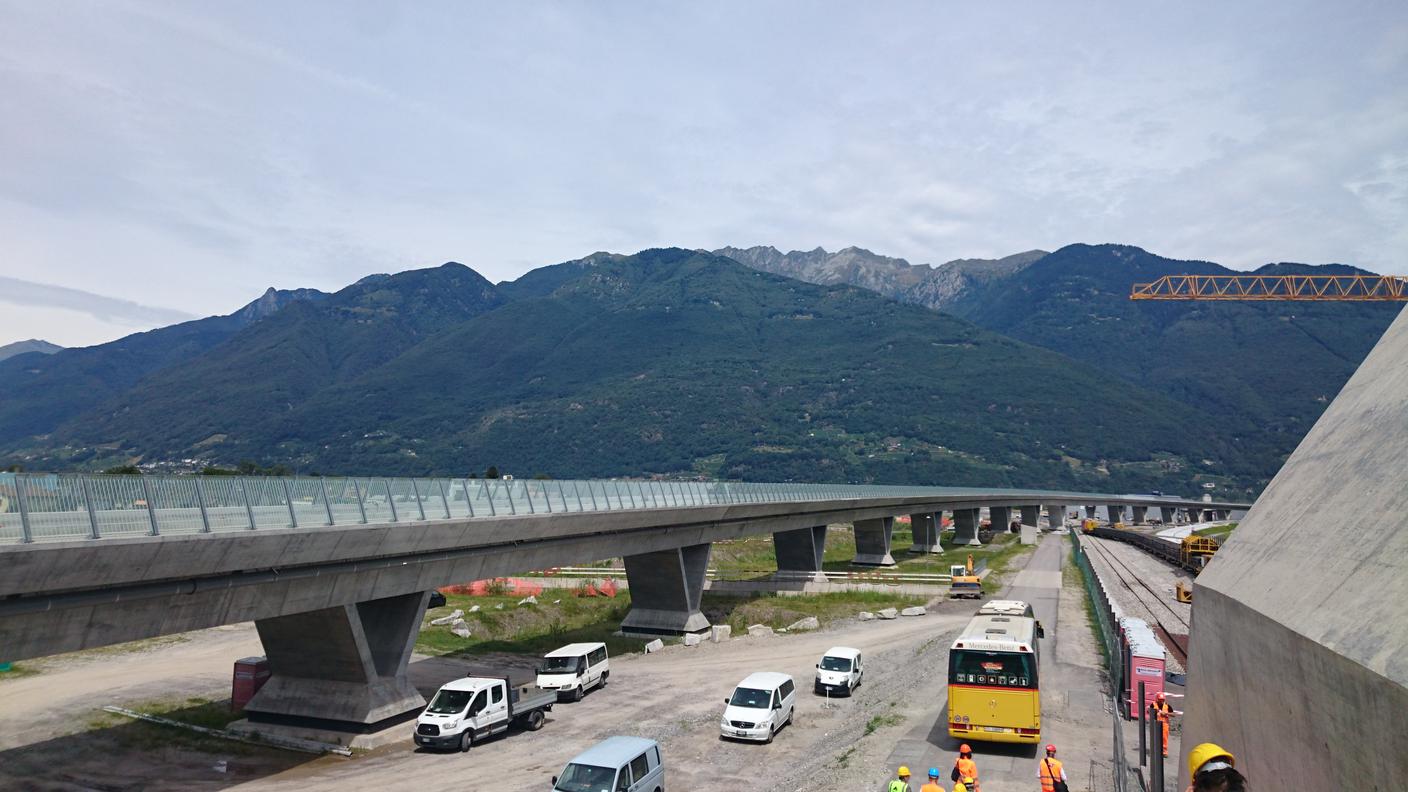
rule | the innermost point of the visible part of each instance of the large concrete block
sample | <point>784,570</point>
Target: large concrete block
<point>1299,649</point>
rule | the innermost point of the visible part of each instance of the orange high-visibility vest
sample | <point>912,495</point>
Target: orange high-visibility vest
<point>1050,773</point>
<point>967,768</point>
<point>1163,711</point>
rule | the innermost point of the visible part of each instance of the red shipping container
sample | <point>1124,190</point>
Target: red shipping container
<point>250,674</point>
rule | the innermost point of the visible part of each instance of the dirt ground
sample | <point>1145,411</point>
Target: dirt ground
<point>48,741</point>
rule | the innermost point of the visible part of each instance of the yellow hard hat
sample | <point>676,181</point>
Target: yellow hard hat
<point>904,771</point>
<point>1206,753</point>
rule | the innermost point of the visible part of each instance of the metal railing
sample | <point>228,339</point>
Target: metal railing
<point>39,508</point>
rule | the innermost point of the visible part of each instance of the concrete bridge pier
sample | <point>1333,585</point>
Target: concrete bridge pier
<point>1114,513</point>
<point>341,668</point>
<point>1140,512</point>
<point>1089,512</point>
<point>965,527</point>
<point>873,542</point>
<point>926,532</point>
<point>666,587</point>
<point>1195,515</point>
<point>1056,517</point>
<point>1001,517</point>
<point>1170,516</point>
<point>1030,515</point>
<point>799,553</point>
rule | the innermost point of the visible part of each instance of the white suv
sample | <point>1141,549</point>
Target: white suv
<point>760,706</point>
<point>839,671</point>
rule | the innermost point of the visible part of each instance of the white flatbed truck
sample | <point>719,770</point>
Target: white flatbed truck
<point>467,710</point>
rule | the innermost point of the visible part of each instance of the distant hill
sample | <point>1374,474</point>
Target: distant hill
<point>39,393</point>
<point>668,362</point>
<point>25,347</point>
<point>932,287</point>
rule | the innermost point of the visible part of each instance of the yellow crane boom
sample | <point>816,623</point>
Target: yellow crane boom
<point>1364,288</point>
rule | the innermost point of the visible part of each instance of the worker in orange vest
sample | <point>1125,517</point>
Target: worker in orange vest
<point>1163,711</point>
<point>964,767</point>
<point>933,785</point>
<point>1050,771</point>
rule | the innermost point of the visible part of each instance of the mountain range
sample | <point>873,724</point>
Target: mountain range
<point>31,345</point>
<point>742,363</point>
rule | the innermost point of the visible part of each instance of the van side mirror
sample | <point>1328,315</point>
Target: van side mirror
<point>725,701</point>
<point>554,780</point>
<point>818,666</point>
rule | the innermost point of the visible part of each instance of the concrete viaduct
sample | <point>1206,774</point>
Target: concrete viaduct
<point>336,573</point>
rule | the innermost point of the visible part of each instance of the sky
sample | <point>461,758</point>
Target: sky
<point>175,159</point>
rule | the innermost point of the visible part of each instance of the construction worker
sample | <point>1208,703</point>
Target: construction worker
<point>964,766</point>
<point>1213,769</point>
<point>1164,712</point>
<point>966,784</point>
<point>933,785</point>
<point>1050,771</point>
<point>901,783</point>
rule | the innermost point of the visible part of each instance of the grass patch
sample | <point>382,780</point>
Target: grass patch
<point>17,671</point>
<point>882,720</point>
<point>529,629</point>
<point>843,759</point>
<point>778,611</point>
<point>1218,532</point>
<point>130,733</point>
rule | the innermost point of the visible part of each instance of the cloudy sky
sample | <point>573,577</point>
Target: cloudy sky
<point>177,158</point>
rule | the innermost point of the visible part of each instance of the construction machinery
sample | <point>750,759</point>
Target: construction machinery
<point>1181,592</point>
<point>1195,551</point>
<point>1305,288</point>
<point>964,582</point>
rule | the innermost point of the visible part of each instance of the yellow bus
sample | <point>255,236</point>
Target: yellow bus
<point>994,674</point>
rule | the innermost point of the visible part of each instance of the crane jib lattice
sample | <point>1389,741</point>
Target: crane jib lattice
<point>1273,287</point>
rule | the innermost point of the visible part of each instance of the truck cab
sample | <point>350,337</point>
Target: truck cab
<point>469,709</point>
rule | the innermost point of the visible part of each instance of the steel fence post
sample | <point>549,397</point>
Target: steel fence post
<point>200,501</point>
<point>391,501</point>
<point>92,512</point>
<point>444,497</point>
<point>420,505</point>
<point>499,484</point>
<point>25,534</point>
<point>575,491</point>
<point>248,507</point>
<point>361,507</point>
<point>1143,737</point>
<point>327,500</point>
<point>592,492</point>
<point>288,498</point>
<point>468,501</point>
<point>526,494</point>
<point>562,495</point>
<point>1156,758</point>
<point>151,509</point>
<point>490,496</point>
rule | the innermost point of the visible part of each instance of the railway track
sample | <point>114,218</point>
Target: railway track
<point>1175,642</point>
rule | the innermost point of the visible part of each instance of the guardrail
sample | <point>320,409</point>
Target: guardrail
<point>779,575</point>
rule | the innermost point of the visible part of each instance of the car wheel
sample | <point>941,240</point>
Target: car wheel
<point>466,741</point>
<point>789,716</point>
<point>578,693</point>
<point>771,733</point>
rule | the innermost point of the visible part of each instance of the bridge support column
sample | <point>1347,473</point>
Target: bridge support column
<point>965,527</point>
<point>1056,517</point>
<point>1001,517</point>
<point>341,668</point>
<point>1223,514</point>
<point>1114,513</point>
<point>873,542</point>
<point>1140,512</point>
<point>1030,515</point>
<point>666,587</point>
<point>1170,516</point>
<point>1195,515</point>
<point>926,532</point>
<point>1089,512</point>
<point>799,553</point>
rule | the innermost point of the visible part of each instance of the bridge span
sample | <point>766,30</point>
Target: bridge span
<point>335,572</point>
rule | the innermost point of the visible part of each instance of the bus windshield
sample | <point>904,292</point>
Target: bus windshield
<point>996,669</point>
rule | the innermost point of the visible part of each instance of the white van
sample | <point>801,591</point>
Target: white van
<point>839,671</point>
<point>760,706</point>
<point>616,764</point>
<point>575,668</point>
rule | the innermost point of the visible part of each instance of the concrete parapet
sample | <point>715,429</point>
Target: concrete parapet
<point>873,542</point>
<point>926,532</point>
<point>666,587</point>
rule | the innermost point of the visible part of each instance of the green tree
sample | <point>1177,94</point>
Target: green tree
<point>124,470</point>
<point>492,472</point>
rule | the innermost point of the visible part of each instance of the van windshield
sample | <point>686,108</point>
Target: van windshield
<point>993,669</point>
<point>560,665</point>
<point>450,702</point>
<point>748,697</point>
<point>585,778</point>
<point>829,663</point>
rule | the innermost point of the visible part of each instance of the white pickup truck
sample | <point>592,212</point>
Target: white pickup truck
<point>465,711</point>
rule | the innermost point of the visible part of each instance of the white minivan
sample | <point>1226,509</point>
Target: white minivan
<point>616,764</point>
<point>839,671</point>
<point>574,669</point>
<point>760,706</point>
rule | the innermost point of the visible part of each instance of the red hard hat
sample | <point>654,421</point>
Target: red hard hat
<point>964,748</point>
<point>1051,749</point>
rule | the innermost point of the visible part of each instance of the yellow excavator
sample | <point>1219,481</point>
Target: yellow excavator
<point>963,582</point>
